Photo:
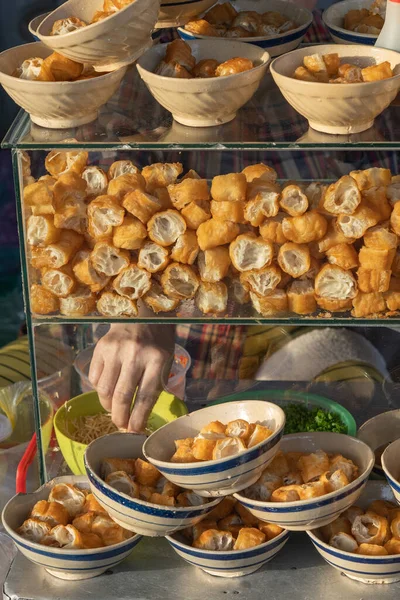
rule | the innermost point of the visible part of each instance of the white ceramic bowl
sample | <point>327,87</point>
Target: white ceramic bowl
<point>55,104</point>
<point>136,515</point>
<point>227,475</point>
<point>64,564</point>
<point>34,24</point>
<point>177,12</point>
<point>378,431</point>
<point>333,18</point>
<point>109,44</point>
<point>279,44</point>
<point>367,569</point>
<point>391,467</point>
<point>309,514</point>
<point>205,102</point>
<point>233,563</point>
<point>338,108</point>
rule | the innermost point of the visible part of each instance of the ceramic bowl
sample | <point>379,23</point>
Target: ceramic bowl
<point>391,467</point>
<point>338,108</point>
<point>233,563</point>
<point>109,44</point>
<point>177,12</point>
<point>367,569</point>
<point>55,104</point>
<point>310,514</point>
<point>136,515</point>
<point>165,410</point>
<point>227,475</point>
<point>278,44</point>
<point>333,18</point>
<point>378,431</point>
<point>64,564</point>
<point>210,101</point>
<point>33,25</point>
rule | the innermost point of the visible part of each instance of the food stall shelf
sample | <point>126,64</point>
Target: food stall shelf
<point>154,572</point>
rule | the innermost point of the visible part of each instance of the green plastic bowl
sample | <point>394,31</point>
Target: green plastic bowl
<point>285,397</point>
<point>167,409</point>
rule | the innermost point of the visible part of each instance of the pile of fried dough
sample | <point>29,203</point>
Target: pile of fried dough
<point>99,241</point>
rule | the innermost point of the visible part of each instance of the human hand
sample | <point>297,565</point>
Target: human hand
<point>131,356</point>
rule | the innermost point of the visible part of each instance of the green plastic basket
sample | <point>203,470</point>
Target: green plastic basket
<point>285,397</point>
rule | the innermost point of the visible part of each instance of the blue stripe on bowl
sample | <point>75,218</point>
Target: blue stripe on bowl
<point>308,506</point>
<point>268,43</point>
<point>370,573</point>
<point>300,521</point>
<point>348,37</point>
<point>203,484</point>
<point>229,555</point>
<point>238,567</point>
<point>148,510</point>
<point>82,557</point>
<point>166,5</point>
<point>394,484</point>
<point>94,568</point>
<point>229,464</point>
<point>378,560</point>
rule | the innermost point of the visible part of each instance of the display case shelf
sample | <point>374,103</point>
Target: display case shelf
<point>132,119</point>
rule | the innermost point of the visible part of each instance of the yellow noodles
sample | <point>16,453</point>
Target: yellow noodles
<point>90,427</point>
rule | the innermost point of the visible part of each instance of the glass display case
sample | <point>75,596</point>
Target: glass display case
<point>132,126</point>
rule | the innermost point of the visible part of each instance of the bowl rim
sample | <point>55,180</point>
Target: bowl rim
<point>325,19</point>
<point>276,435</point>
<point>369,422</point>
<point>352,86</point>
<point>265,58</point>
<point>388,473</point>
<point>356,483</point>
<point>101,76</point>
<point>92,25</point>
<point>179,509</point>
<point>60,552</point>
<point>232,553</point>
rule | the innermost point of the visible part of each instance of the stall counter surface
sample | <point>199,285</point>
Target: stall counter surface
<point>154,572</point>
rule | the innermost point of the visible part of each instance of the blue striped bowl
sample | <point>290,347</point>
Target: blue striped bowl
<point>277,45</point>
<point>368,569</point>
<point>391,467</point>
<point>333,18</point>
<point>227,475</point>
<point>379,431</point>
<point>310,514</point>
<point>136,515</point>
<point>64,564</point>
<point>234,563</point>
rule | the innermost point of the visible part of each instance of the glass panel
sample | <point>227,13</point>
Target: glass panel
<point>133,118</point>
<point>46,255</point>
<point>357,368</point>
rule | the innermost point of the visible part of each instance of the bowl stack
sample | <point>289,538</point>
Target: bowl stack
<point>107,46</point>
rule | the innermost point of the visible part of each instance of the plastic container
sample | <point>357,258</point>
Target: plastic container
<point>285,397</point>
<point>175,384</point>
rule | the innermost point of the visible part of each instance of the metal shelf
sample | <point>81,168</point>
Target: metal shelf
<point>154,572</point>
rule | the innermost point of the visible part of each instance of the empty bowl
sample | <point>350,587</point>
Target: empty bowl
<point>333,18</point>
<point>136,515</point>
<point>391,467</point>
<point>378,433</point>
<point>62,563</point>
<point>367,569</point>
<point>276,44</point>
<point>338,108</point>
<point>205,102</point>
<point>226,475</point>
<point>55,104</point>
<point>316,512</point>
<point>109,44</point>
<point>232,563</point>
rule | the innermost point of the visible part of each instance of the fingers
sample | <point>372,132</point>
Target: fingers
<point>123,394</point>
<point>149,389</point>
<point>107,382</point>
<point>96,366</point>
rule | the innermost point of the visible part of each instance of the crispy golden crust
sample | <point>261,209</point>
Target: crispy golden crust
<point>214,264</point>
<point>301,298</point>
<point>230,187</point>
<point>343,255</point>
<point>368,304</point>
<point>43,302</point>
<point>179,281</point>
<point>215,232</point>
<point>375,258</point>
<point>124,184</point>
<point>306,228</point>
<point>186,248</point>
<point>141,205</point>
<point>373,280</point>
<point>228,211</point>
<point>187,191</point>
<point>130,235</point>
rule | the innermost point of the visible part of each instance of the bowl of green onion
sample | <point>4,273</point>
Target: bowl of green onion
<point>304,412</point>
